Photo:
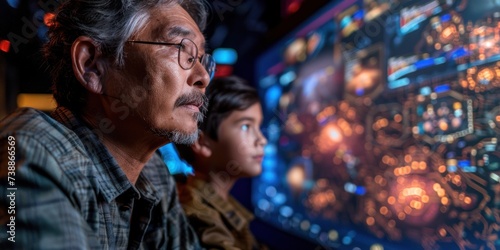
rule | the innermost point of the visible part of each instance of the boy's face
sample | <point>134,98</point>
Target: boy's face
<point>240,146</point>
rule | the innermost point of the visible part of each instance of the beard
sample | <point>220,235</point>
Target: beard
<point>185,137</point>
<point>178,136</point>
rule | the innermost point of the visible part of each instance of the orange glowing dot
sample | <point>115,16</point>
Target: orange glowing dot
<point>444,201</point>
<point>442,169</point>
<point>425,198</point>
<point>457,105</point>
<point>398,118</point>
<point>442,232</point>
<point>396,171</point>
<point>370,221</point>
<point>441,192</point>
<point>385,159</point>
<point>463,83</point>
<point>384,210</point>
<point>391,200</point>
<point>461,196</point>
<point>468,200</point>
<point>443,125</point>
<point>422,165</point>
<point>417,205</point>
<point>414,165</point>
<point>48,19</point>
<point>407,170</point>
<point>401,215</point>
<point>384,122</point>
<point>408,158</point>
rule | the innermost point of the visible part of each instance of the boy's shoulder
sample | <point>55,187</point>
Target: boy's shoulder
<point>196,201</point>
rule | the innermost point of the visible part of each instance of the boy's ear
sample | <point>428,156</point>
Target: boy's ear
<point>88,65</point>
<point>202,146</point>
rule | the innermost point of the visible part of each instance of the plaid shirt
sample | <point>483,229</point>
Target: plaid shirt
<point>71,194</point>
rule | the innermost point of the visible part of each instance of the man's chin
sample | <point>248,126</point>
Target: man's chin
<point>188,132</point>
<point>182,137</point>
<point>177,136</point>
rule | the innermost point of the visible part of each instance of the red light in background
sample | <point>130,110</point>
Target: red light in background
<point>292,6</point>
<point>48,19</point>
<point>4,45</point>
<point>223,70</point>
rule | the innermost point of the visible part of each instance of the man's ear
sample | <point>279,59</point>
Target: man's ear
<point>202,146</point>
<point>88,65</point>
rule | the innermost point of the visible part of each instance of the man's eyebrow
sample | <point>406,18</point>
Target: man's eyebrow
<point>183,32</point>
<point>179,31</point>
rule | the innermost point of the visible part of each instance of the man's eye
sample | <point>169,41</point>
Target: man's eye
<point>245,127</point>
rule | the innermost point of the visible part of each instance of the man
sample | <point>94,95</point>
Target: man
<point>129,77</point>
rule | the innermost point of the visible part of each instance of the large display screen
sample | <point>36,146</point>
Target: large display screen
<point>383,119</point>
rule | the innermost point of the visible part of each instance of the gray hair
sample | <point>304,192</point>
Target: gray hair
<point>109,23</point>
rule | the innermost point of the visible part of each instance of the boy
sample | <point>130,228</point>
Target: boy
<point>230,146</point>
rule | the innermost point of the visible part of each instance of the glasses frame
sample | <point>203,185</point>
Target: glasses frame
<point>200,59</point>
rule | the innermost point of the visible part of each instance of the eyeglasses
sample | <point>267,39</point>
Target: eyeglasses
<point>188,53</point>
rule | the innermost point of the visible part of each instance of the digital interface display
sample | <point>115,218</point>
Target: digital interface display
<point>382,119</point>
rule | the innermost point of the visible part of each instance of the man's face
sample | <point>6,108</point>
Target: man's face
<point>162,96</point>
<point>239,148</point>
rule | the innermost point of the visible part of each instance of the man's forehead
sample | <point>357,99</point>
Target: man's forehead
<point>171,23</point>
<point>172,32</point>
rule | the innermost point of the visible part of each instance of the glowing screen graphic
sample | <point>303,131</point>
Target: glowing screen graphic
<point>383,119</point>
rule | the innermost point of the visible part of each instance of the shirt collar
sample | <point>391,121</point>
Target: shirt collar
<point>110,177</point>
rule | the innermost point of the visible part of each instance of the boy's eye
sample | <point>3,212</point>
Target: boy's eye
<point>245,127</point>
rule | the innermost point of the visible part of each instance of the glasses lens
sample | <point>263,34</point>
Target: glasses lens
<point>209,63</point>
<point>188,52</point>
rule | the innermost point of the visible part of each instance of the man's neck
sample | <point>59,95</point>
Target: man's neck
<point>130,161</point>
<point>132,148</point>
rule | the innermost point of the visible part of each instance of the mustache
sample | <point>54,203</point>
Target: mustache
<point>196,98</point>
